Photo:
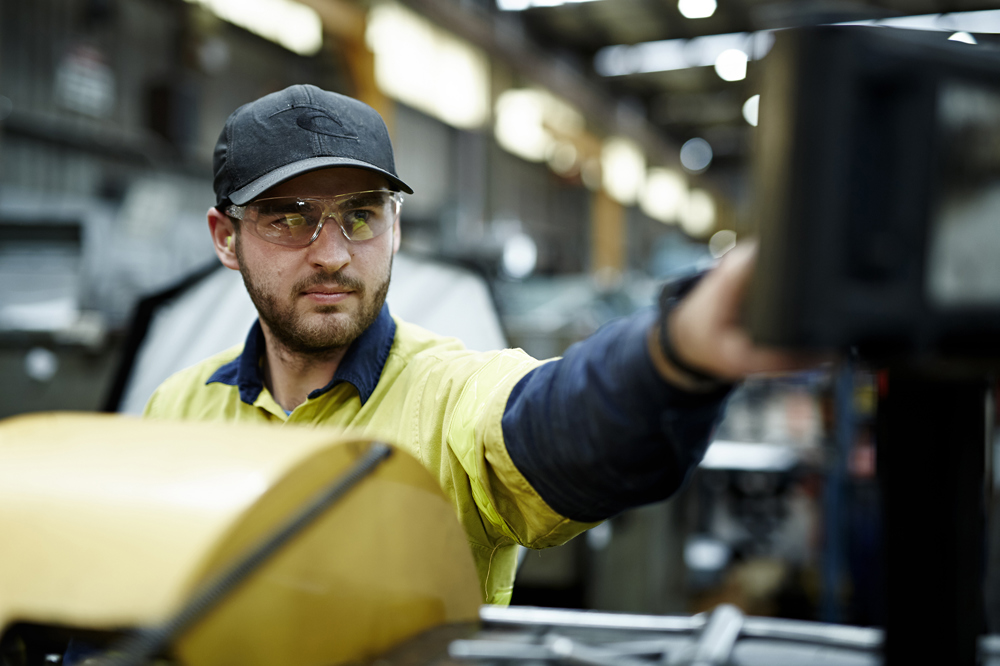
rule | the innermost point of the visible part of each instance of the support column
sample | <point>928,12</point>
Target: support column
<point>607,235</point>
<point>931,442</point>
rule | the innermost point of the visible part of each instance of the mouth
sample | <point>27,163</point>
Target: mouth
<point>327,294</point>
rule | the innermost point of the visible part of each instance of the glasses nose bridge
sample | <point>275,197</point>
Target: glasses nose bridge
<point>329,211</point>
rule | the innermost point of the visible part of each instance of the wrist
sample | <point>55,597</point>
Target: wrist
<point>668,361</point>
<point>665,368</point>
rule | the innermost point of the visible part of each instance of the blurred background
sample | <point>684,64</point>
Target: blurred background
<point>568,157</point>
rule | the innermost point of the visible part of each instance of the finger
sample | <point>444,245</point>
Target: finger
<point>745,358</point>
<point>730,279</point>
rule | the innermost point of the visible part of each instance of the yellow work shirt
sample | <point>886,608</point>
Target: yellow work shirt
<point>426,394</point>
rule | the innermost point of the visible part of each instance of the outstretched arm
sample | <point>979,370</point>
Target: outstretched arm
<point>614,424</point>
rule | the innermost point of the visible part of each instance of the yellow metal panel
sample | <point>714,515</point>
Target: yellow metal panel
<point>111,522</point>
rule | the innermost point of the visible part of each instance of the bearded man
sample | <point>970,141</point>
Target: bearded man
<point>529,452</point>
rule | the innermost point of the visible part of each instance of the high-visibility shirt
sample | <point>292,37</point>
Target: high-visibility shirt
<point>428,395</point>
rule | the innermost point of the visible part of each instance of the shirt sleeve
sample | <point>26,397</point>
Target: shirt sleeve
<point>600,431</point>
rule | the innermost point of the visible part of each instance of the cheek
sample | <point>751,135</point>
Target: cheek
<point>374,253</point>
<point>384,259</point>
<point>269,269</point>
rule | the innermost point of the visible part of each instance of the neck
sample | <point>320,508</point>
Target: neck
<point>292,376</point>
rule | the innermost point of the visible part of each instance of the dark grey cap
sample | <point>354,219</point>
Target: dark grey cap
<point>299,129</point>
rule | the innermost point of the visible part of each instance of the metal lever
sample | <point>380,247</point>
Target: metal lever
<point>557,648</point>
<point>567,650</point>
<point>718,638</point>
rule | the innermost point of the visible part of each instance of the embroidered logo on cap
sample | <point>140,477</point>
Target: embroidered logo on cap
<point>322,122</point>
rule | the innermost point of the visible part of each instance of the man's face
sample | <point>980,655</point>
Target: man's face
<point>319,298</point>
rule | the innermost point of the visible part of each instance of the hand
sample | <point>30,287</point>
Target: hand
<point>707,334</point>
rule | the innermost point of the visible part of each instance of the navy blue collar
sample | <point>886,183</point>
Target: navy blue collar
<point>361,366</point>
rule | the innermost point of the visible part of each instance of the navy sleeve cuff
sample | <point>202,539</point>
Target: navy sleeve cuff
<point>599,431</point>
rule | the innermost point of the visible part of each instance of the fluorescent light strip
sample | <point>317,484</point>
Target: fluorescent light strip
<point>984,22</point>
<point>521,5</point>
<point>425,67</point>
<point>672,54</point>
<point>293,25</point>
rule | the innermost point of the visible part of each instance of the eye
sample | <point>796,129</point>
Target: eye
<point>358,226</point>
<point>291,220</point>
<point>280,217</point>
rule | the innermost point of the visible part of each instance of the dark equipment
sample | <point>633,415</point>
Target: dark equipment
<point>878,212</point>
<point>877,166</point>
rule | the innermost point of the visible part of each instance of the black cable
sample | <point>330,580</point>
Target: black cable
<point>138,649</point>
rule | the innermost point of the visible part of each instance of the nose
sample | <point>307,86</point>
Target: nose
<point>331,250</point>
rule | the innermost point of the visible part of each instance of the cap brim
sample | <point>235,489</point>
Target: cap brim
<point>254,189</point>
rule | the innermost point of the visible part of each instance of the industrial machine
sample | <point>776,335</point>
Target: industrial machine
<point>218,544</point>
<point>877,186</point>
<point>876,181</point>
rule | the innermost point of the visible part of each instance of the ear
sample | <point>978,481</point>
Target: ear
<point>395,235</point>
<point>223,238</point>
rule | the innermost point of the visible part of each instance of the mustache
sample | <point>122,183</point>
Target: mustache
<point>329,280</point>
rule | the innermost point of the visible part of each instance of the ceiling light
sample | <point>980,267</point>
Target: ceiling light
<point>751,110</point>
<point>664,195</point>
<point>731,65</point>
<point>698,216</point>
<point>985,21</point>
<point>519,127</point>
<point>963,37</point>
<point>292,25</point>
<point>696,9</point>
<point>427,68</point>
<point>696,155</point>
<point>670,54</point>
<point>563,158</point>
<point>526,120</point>
<point>623,168</point>
<point>521,5</point>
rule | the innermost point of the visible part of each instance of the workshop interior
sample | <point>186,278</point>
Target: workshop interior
<point>568,158</point>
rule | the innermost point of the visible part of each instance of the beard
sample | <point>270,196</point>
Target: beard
<point>314,338</point>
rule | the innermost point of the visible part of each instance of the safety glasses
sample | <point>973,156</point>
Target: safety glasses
<point>298,221</point>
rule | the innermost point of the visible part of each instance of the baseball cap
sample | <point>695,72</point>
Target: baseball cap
<point>301,128</point>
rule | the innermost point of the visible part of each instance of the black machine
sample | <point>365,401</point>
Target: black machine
<point>877,188</point>
<point>877,208</point>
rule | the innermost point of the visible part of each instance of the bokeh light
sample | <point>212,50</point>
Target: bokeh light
<point>698,215</point>
<point>751,110</point>
<point>696,155</point>
<point>696,9</point>
<point>731,65</point>
<point>623,168</point>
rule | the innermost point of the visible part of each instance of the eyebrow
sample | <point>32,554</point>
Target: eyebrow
<point>278,206</point>
<point>365,199</point>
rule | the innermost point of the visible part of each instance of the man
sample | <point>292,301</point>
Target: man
<point>529,452</point>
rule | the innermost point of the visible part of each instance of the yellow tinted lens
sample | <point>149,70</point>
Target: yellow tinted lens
<point>284,221</point>
<point>359,229</point>
<point>366,215</point>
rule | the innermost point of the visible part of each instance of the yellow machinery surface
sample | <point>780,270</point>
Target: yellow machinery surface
<point>110,523</point>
